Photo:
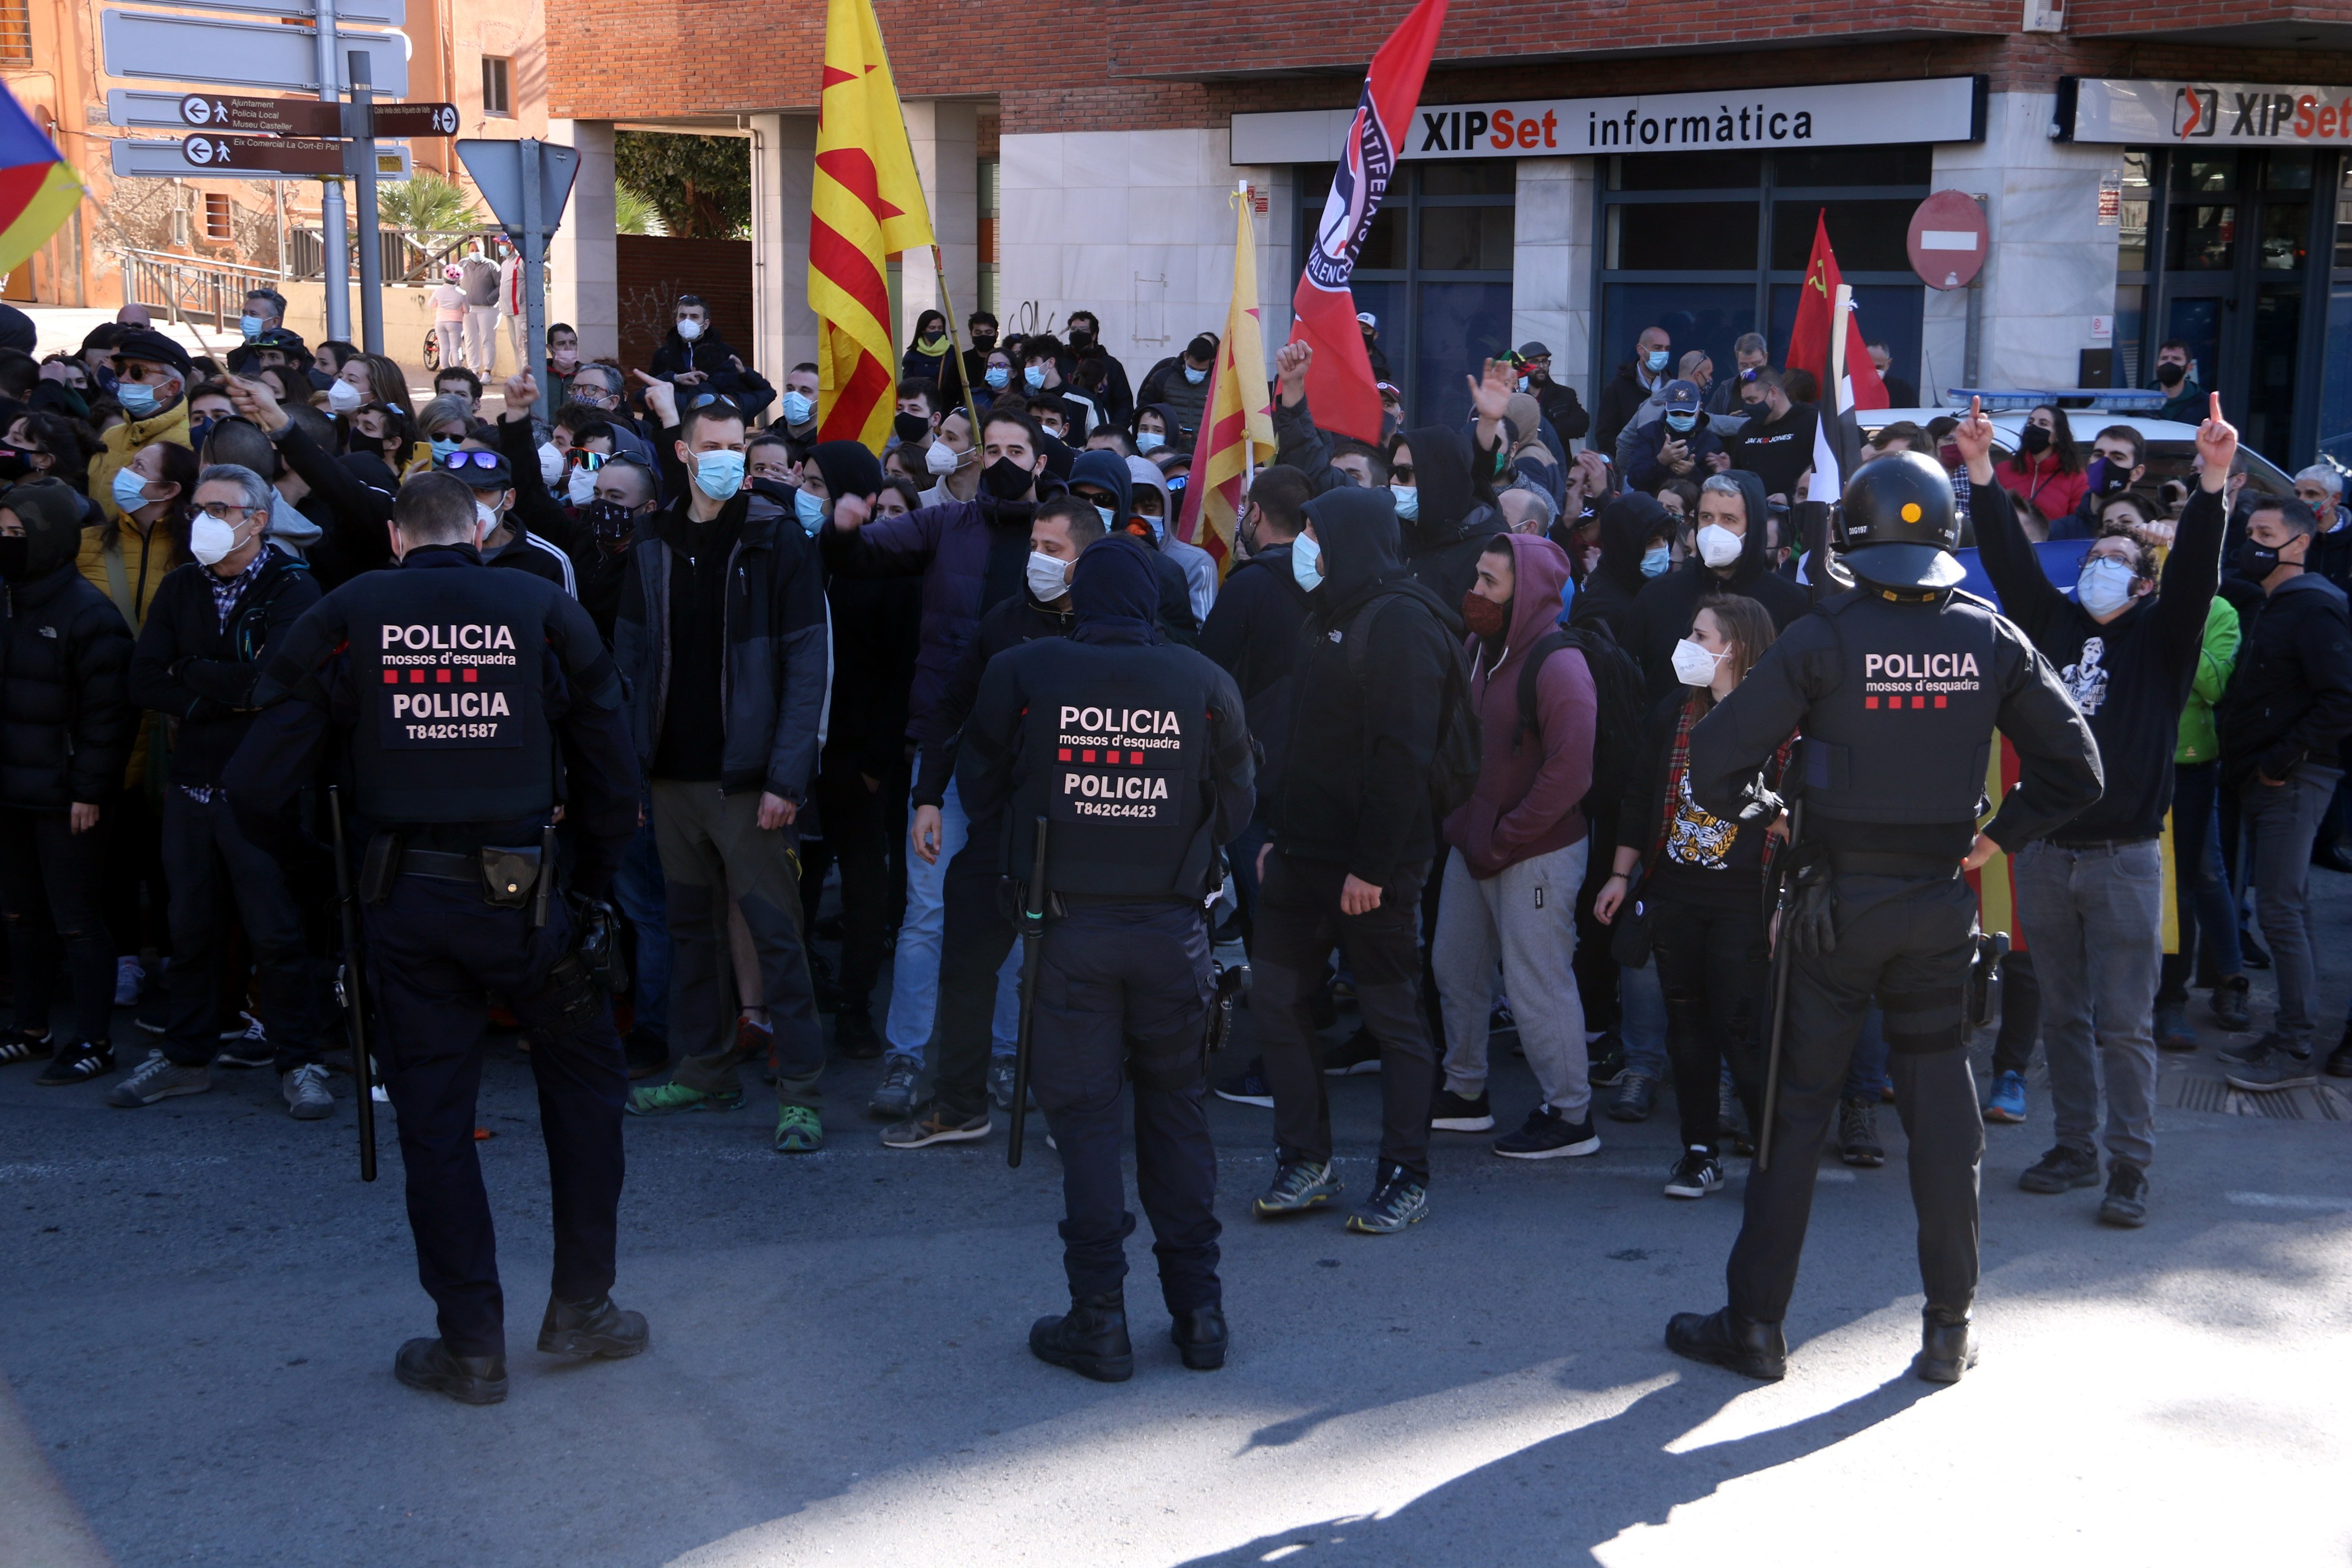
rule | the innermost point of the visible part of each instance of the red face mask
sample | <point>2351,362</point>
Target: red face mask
<point>1483,615</point>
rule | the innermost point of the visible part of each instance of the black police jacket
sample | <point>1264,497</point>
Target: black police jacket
<point>1136,753</point>
<point>1897,700</point>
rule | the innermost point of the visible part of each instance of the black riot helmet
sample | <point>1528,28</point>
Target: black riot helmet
<point>1901,525</point>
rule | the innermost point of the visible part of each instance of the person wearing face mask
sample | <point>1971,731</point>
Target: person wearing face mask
<point>1561,409</point>
<point>1151,516</point>
<point>1115,396</point>
<point>1729,556</point>
<point>2047,469</point>
<point>951,460</point>
<point>1650,368</point>
<point>152,377</point>
<point>1776,441</point>
<point>216,623</point>
<point>694,359</point>
<point>1637,538</point>
<point>927,351</point>
<point>1107,480</point>
<point>980,331</point>
<point>798,409</point>
<point>722,640</point>
<point>68,731</point>
<point>354,516</point>
<point>1680,444</point>
<point>2127,646</point>
<point>915,421</point>
<point>290,529</point>
<point>1180,384</point>
<point>1444,495</point>
<point>2184,400</point>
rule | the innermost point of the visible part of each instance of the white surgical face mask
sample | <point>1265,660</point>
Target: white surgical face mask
<point>1718,546</point>
<point>551,462</point>
<point>2104,587</point>
<point>690,330</point>
<point>581,487</point>
<point>1306,563</point>
<point>1049,576</point>
<point>940,459</point>
<point>1693,666</point>
<point>210,539</point>
<point>342,397</point>
<point>486,522</point>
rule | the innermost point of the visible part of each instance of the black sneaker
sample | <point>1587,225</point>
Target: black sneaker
<point>79,1063</point>
<point>23,1046</point>
<point>854,1036</point>
<point>1401,1199</point>
<point>1361,1054</point>
<point>1500,1021</point>
<point>1452,1112</point>
<point>937,1122</point>
<point>2061,1170</point>
<point>1548,1135</point>
<point>1247,1086</point>
<point>2252,1055</point>
<point>246,1045</point>
<point>1607,1061</point>
<point>2280,1069</point>
<point>1858,1134</point>
<point>1636,1093</point>
<point>2126,1201</point>
<point>1697,1173</point>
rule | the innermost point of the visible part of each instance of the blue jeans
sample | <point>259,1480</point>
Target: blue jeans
<point>915,963</point>
<point>1865,1071</point>
<point>1641,1022</point>
<point>2284,819</point>
<point>638,890</point>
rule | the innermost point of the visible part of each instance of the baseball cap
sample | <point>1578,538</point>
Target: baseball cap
<point>1682,398</point>
<point>1367,319</point>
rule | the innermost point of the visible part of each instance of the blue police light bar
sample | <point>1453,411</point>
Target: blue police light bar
<point>2021,400</point>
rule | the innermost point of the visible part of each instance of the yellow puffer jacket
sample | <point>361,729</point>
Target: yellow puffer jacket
<point>122,444</point>
<point>129,574</point>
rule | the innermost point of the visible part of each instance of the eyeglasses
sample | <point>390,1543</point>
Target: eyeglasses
<point>459,461</point>
<point>1401,472</point>
<point>223,511</point>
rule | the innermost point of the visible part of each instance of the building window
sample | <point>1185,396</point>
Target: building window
<point>495,98</point>
<point>15,31</point>
<point>218,222</point>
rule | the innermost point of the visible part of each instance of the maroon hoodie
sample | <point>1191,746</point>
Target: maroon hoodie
<point>1528,804</point>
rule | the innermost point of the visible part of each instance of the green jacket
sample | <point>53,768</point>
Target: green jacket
<point>2199,740</point>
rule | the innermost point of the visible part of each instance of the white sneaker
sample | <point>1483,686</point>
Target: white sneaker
<point>129,979</point>
<point>305,1089</point>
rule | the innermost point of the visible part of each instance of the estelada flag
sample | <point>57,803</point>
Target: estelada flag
<point>38,187</point>
<point>1340,390</point>
<point>1237,429</point>
<point>1808,339</point>
<point>867,205</point>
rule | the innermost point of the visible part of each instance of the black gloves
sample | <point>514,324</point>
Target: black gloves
<point>1809,906</point>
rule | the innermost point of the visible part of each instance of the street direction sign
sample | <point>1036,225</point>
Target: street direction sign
<point>274,116</point>
<point>146,46</point>
<point>348,13</point>
<point>416,119</point>
<point>284,154</point>
<point>500,170</point>
<point>164,160</point>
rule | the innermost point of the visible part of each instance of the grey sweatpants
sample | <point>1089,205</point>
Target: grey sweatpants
<point>1525,914</point>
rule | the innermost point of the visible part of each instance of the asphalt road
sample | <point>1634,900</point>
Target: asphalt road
<point>201,1302</point>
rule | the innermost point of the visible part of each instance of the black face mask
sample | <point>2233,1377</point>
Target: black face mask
<point>2034,439</point>
<point>1079,340</point>
<point>15,557</point>
<point>911,426</point>
<point>2255,561</point>
<point>2114,478</point>
<point>609,520</point>
<point>1006,480</point>
<point>984,338</point>
<point>2169,374</point>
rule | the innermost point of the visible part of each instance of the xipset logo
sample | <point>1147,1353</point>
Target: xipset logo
<point>2196,111</point>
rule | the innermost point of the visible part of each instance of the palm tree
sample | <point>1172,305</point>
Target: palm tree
<point>425,201</point>
<point>635,214</point>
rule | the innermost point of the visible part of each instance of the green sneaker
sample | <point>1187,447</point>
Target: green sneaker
<point>798,1131</point>
<point>668,1099</point>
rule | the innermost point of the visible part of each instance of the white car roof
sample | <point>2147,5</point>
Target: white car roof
<point>2010,421</point>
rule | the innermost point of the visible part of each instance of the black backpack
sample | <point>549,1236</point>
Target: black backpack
<point>1619,691</point>
<point>1459,752</point>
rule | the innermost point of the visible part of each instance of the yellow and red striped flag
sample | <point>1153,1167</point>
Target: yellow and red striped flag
<point>867,205</point>
<point>1237,421</point>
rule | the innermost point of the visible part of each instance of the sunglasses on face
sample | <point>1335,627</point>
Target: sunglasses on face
<point>1401,473</point>
<point>458,462</point>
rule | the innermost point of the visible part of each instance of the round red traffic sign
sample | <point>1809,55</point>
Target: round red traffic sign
<point>1947,240</point>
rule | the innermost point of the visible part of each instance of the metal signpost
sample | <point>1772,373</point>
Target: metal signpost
<point>527,183</point>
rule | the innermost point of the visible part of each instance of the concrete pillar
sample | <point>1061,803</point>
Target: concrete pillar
<point>783,175</point>
<point>946,140</point>
<point>1551,273</point>
<point>585,278</point>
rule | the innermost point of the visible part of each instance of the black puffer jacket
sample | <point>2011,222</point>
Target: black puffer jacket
<point>1663,611</point>
<point>1253,634</point>
<point>189,666</point>
<point>66,719</point>
<point>1442,545</point>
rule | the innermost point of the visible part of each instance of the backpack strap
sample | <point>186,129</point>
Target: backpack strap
<point>1531,668</point>
<point>1359,635</point>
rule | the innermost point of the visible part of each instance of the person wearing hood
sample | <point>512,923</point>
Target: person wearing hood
<point>722,643</point>
<point>696,360</point>
<point>1151,517</point>
<point>65,729</point>
<point>1351,841</point>
<point>1161,779</point>
<point>1105,479</point>
<point>1520,843</point>
<point>1252,632</point>
<point>1730,555</point>
<point>1680,444</point>
<point>1637,539</point>
<point>1445,509</point>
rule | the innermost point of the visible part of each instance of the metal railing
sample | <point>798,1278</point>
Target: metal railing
<point>410,256</point>
<point>188,288</point>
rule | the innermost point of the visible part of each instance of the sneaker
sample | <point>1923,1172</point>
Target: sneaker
<point>669,1099</point>
<point>1637,1091</point>
<point>1858,1134</point>
<point>2339,1060</point>
<point>79,1063</point>
<point>2007,1100</point>
<point>2279,1070</point>
<point>935,1123</point>
<point>1608,1068</point>
<point>305,1089</point>
<point>1361,1054</point>
<point>798,1131</point>
<point>129,979</point>
<point>247,1048</point>
<point>2126,1201</point>
<point>2061,1170</point>
<point>2172,1030</point>
<point>2251,1055</point>
<point>894,1100</point>
<point>23,1046</point>
<point>2231,1009</point>
<point>159,1078</point>
<point>854,1035</point>
<point>1299,1185</point>
<point>1548,1135</point>
<point>648,1053</point>
<point>1452,1112</point>
<point>1697,1173</point>
<point>1401,1199</point>
<point>1247,1086</point>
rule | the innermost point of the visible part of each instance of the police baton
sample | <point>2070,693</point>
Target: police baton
<point>349,989</point>
<point>1033,942</point>
<point>1783,940</point>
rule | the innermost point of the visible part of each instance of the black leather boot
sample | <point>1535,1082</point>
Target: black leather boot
<point>1200,1335</point>
<point>1947,1346</point>
<point>1728,1340</point>
<point>1090,1339</point>
<point>467,1379</point>
<point>594,1328</point>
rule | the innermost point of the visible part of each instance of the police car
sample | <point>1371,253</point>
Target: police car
<point>2170,446</point>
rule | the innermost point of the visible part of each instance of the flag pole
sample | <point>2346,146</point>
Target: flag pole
<point>1249,447</point>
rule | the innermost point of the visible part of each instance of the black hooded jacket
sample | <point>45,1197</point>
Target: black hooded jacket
<point>728,375</point>
<point>66,719</point>
<point>1252,633</point>
<point>1442,545</point>
<point>1627,525</point>
<point>1107,471</point>
<point>1661,611</point>
<point>1363,722</point>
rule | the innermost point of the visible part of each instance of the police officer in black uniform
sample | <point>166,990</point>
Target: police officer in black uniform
<point>1897,685</point>
<point>1137,752</point>
<point>468,710</point>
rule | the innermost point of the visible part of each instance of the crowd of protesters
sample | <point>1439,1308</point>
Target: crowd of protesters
<point>802,628</point>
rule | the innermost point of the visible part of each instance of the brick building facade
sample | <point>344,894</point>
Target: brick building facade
<point>1086,159</point>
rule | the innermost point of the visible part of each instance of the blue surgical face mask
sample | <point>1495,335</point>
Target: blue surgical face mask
<point>796,407</point>
<point>1655,359</point>
<point>1035,376</point>
<point>999,377</point>
<point>138,399</point>
<point>1655,560</point>
<point>1307,561</point>
<point>129,490</point>
<point>1523,383</point>
<point>250,326</point>
<point>1195,376</point>
<point>809,509</point>
<point>1108,526</point>
<point>1149,441</point>
<point>442,446</point>
<point>718,474</point>
<point>1408,501</point>
<point>1680,421</point>
<point>2104,587</point>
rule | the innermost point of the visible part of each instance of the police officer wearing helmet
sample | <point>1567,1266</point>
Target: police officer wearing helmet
<point>1136,753</point>
<point>1898,686</point>
<point>469,709</point>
